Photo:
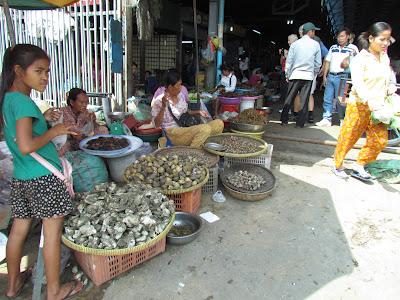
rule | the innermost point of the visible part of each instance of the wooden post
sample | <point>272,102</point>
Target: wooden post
<point>10,24</point>
<point>196,50</point>
<point>127,79</point>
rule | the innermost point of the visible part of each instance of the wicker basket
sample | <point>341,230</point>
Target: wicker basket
<point>263,160</point>
<point>261,193</point>
<point>107,252</point>
<point>212,184</point>
<point>246,196</point>
<point>214,139</point>
<point>211,159</point>
<point>187,202</point>
<point>100,268</point>
<point>101,265</point>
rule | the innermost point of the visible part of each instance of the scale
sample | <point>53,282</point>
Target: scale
<point>116,124</point>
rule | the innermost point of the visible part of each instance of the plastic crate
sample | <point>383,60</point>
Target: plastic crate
<point>187,202</point>
<point>101,268</point>
<point>261,160</point>
<point>212,184</point>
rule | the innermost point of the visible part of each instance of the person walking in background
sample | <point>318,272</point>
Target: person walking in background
<point>284,53</point>
<point>336,62</point>
<point>302,65</point>
<point>244,67</point>
<point>371,77</point>
<point>296,106</point>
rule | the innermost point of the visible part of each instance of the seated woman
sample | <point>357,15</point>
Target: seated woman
<point>193,136</point>
<point>83,122</point>
<point>227,84</point>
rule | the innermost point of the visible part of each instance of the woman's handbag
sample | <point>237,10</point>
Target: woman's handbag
<point>186,119</point>
<point>66,176</point>
<point>345,86</point>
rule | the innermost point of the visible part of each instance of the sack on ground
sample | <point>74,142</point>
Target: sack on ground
<point>385,170</point>
<point>88,170</point>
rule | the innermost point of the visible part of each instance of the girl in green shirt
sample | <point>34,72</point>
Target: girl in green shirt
<point>35,191</point>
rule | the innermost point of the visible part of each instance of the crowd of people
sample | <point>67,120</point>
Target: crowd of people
<point>369,68</point>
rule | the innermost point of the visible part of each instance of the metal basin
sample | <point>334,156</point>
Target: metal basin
<point>117,116</point>
<point>247,127</point>
<point>185,219</point>
<point>265,110</point>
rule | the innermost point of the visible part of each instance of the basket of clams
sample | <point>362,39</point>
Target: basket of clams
<point>116,227</point>
<point>235,145</point>
<point>179,177</point>
<point>248,182</point>
<point>172,174</point>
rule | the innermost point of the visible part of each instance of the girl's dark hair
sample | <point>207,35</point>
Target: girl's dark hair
<point>374,30</point>
<point>73,94</point>
<point>22,55</point>
<point>171,77</point>
<point>226,68</point>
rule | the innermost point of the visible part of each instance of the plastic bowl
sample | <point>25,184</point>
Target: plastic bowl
<point>249,98</point>
<point>185,219</point>
<point>230,101</point>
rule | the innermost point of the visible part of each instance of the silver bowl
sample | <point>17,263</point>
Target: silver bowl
<point>247,127</point>
<point>215,147</point>
<point>266,109</point>
<point>117,116</point>
<point>188,219</point>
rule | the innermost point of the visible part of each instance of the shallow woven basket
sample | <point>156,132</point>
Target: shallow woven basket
<point>185,150</point>
<point>107,252</point>
<point>214,139</point>
<point>189,189</point>
<point>245,195</point>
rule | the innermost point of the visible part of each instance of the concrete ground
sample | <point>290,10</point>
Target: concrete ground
<point>315,237</point>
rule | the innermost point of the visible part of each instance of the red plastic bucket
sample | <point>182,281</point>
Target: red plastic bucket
<point>229,107</point>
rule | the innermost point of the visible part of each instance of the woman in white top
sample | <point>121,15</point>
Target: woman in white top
<point>370,73</point>
<point>228,79</point>
<point>227,84</point>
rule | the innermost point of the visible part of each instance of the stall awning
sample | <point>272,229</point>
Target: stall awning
<point>38,4</point>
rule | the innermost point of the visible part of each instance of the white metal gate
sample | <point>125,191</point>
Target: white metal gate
<point>77,39</point>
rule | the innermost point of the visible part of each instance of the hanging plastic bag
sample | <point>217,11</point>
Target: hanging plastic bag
<point>59,141</point>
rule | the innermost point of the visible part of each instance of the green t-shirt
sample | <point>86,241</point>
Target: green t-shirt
<point>17,106</point>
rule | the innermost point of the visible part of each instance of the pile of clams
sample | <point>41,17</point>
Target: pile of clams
<point>245,180</point>
<point>169,172</point>
<point>237,144</point>
<point>118,216</point>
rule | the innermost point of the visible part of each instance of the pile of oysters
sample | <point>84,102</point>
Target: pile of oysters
<point>118,216</point>
<point>169,172</point>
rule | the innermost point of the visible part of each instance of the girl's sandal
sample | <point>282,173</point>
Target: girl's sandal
<point>25,276</point>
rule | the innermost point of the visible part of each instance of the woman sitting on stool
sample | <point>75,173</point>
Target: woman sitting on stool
<point>171,102</point>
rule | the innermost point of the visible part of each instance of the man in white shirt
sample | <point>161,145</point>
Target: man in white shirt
<point>302,65</point>
<point>336,67</point>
